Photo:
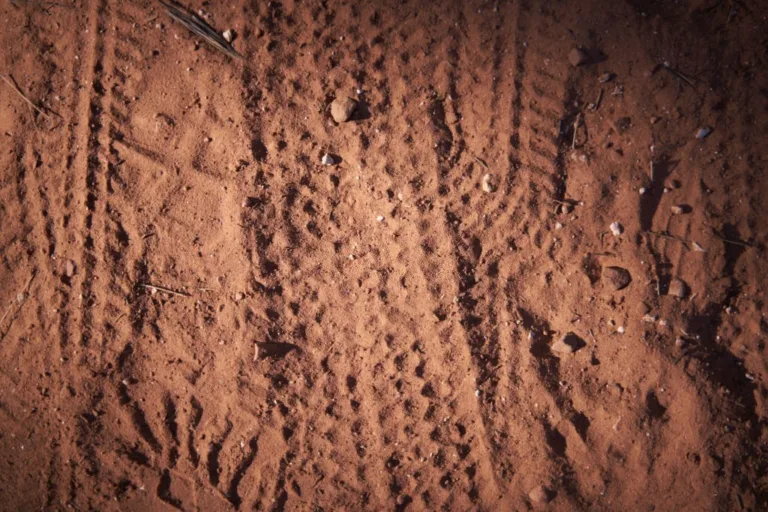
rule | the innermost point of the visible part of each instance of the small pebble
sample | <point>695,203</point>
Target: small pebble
<point>605,77</point>
<point>69,268</point>
<point>328,159</point>
<point>677,210</point>
<point>540,495</point>
<point>228,35</point>
<point>567,344</point>
<point>578,57</point>
<point>703,132</point>
<point>617,277</point>
<point>616,228</point>
<point>342,109</point>
<point>380,218</point>
<point>697,247</point>
<point>488,184</point>
<point>677,288</point>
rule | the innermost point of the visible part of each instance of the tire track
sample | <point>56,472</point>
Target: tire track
<point>43,193</point>
<point>534,176</point>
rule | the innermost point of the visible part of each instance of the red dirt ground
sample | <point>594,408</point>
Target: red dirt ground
<point>425,302</point>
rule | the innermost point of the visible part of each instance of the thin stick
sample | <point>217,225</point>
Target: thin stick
<point>575,130</point>
<point>679,75</point>
<point>480,161</point>
<point>163,289</point>
<point>7,310</point>
<point>669,237</point>
<point>597,102</point>
<point>15,87</point>
<point>25,292</point>
<point>734,242</point>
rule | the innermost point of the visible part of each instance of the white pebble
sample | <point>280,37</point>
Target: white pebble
<point>616,228</point>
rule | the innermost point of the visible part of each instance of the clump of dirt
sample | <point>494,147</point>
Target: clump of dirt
<point>383,255</point>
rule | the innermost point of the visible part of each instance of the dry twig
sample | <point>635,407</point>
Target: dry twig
<point>163,289</point>
<point>198,26</point>
<point>11,82</point>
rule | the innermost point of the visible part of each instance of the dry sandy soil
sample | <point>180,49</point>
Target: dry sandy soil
<point>167,228</point>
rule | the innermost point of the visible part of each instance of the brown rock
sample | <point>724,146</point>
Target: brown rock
<point>567,344</point>
<point>578,57</point>
<point>69,268</point>
<point>342,109</point>
<point>617,277</point>
<point>677,288</point>
<point>540,495</point>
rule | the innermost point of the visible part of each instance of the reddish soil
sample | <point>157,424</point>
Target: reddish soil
<point>166,225</point>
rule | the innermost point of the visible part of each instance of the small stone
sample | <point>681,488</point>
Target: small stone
<point>565,209</point>
<point>616,228</point>
<point>643,190</point>
<point>403,500</point>
<point>238,296</point>
<point>621,329</point>
<point>342,109</point>
<point>488,184</point>
<point>328,159</point>
<point>677,210</point>
<point>650,319</point>
<point>606,77</point>
<point>617,277</point>
<point>677,288</point>
<point>380,218</point>
<point>578,57</point>
<point>228,35</point>
<point>558,225</point>
<point>69,268</point>
<point>679,342</point>
<point>567,344</point>
<point>703,132</point>
<point>697,247</point>
<point>541,495</point>
<point>655,119</point>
